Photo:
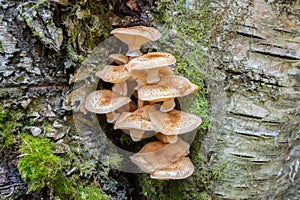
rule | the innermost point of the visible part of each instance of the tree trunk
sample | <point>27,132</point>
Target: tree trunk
<point>254,96</point>
<point>255,103</point>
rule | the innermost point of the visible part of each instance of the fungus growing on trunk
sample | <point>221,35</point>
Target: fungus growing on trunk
<point>153,80</point>
<point>105,102</point>
<point>135,37</point>
<point>117,75</point>
<point>151,62</point>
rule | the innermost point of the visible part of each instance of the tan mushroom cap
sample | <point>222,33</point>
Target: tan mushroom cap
<point>174,122</point>
<point>138,119</point>
<point>170,86</point>
<point>113,74</point>
<point>156,92</point>
<point>120,59</point>
<point>135,37</point>
<point>156,155</point>
<point>104,101</point>
<point>136,122</point>
<point>180,169</point>
<point>151,60</point>
<point>180,83</point>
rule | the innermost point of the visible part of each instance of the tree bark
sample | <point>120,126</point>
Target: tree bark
<point>255,103</point>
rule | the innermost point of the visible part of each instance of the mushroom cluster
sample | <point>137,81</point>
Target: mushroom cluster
<point>155,86</point>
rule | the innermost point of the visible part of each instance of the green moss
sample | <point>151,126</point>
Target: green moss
<point>111,161</point>
<point>92,192</point>
<point>9,126</point>
<point>38,165</point>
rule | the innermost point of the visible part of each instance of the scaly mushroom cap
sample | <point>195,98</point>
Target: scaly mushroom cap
<point>113,74</point>
<point>136,36</point>
<point>120,59</point>
<point>174,122</point>
<point>157,92</point>
<point>138,119</point>
<point>156,155</point>
<point>180,169</point>
<point>151,60</point>
<point>180,83</point>
<point>104,101</point>
<point>148,33</point>
<point>169,86</point>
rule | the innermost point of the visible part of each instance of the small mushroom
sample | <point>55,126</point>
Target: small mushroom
<point>166,90</point>
<point>135,37</point>
<point>157,155</point>
<point>137,123</point>
<point>167,138</point>
<point>151,62</point>
<point>120,59</point>
<point>105,102</point>
<point>180,169</point>
<point>117,75</point>
<point>174,122</point>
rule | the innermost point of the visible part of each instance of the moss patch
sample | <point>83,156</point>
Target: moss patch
<point>9,126</point>
<point>42,169</point>
<point>38,166</point>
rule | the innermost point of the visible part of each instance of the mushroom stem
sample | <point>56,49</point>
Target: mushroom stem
<point>140,103</point>
<point>167,138</point>
<point>112,117</point>
<point>136,134</point>
<point>168,105</point>
<point>120,88</point>
<point>134,50</point>
<point>152,75</point>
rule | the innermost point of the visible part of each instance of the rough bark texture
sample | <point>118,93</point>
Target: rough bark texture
<point>256,103</point>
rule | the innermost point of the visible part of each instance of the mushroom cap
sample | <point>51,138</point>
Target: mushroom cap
<point>156,93</point>
<point>113,74</point>
<point>180,169</point>
<point>169,86</point>
<point>138,119</point>
<point>174,122</point>
<point>120,59</point>
<point>137,32</point>
<point>151,60</point>
<point>104,101</point>
<point>180,83</point>
<point>157,155</point>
